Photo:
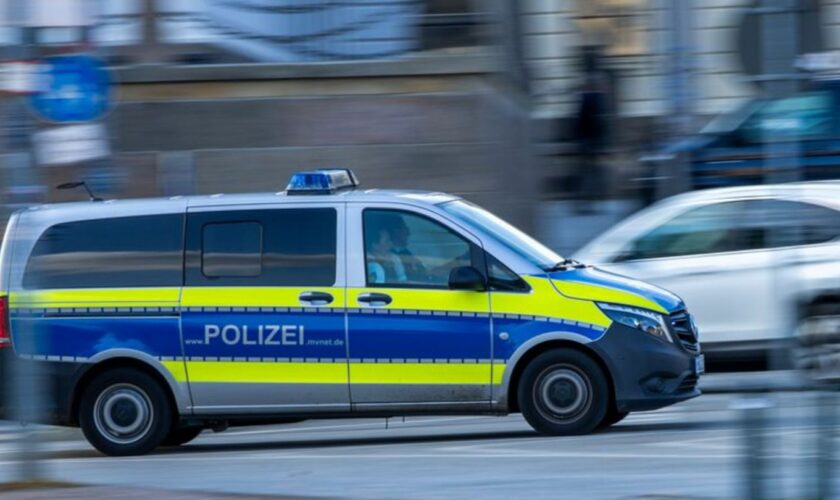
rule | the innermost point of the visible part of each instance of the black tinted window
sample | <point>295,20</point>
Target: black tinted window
<point>279,247</point>
<point>232,249</point>
<point>743,225</point>
<point>799,116</point>
<point>789,223</point>
<point>502,279</point>
<point>144,251</point>
<point>722,227</point>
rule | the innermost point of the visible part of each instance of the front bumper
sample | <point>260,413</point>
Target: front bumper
<point>647,372</point>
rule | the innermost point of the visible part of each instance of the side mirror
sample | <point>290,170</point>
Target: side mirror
<point>467,278</point>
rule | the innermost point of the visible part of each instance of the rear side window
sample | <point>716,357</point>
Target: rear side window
<point>277,247</point>
<point>789,223</point>
<point>232,249</point>
<point>124,252</point>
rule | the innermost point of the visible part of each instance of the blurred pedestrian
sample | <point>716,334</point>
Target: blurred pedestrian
<point>590,131</point>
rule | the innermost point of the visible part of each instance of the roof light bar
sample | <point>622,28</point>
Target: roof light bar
<point>327,181</point>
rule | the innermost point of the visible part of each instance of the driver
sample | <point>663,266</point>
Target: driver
<point>388,258</point>
<point>399,232</point>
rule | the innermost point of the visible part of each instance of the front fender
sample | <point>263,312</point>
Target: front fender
<point>504,388</point>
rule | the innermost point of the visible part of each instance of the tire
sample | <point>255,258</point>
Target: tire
<point>613,417</point>
<point>563,392</point>
<point>124,412</point>
<point>817,338</point>
<point>181,435</point>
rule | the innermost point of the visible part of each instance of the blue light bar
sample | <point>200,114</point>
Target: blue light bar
<point>326,181</point>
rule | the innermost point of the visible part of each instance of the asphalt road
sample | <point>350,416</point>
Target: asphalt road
<point>692,450</point>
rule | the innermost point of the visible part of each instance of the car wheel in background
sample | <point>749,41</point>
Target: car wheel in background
<point>563,392</point>
<point>818,333</point>
<point>125,412</point>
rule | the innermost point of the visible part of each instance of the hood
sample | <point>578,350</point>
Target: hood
<point>593,284</point>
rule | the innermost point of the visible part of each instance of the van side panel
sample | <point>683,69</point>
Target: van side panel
<point>6,253</point>
<point>83,289</point>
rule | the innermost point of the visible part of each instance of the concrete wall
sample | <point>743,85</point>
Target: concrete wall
<point>456,132</point>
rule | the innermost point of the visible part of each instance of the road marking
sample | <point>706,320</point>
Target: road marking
<point>384,456</point>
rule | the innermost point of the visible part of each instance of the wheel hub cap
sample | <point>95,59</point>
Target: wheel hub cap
<point>123,413</point>
<point>563,393</point>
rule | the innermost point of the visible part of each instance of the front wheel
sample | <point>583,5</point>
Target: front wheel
<point>613,417</point>
<point>125,412</point>
<point>563,392</point>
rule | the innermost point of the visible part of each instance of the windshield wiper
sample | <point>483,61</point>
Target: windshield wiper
<point>565,265</point>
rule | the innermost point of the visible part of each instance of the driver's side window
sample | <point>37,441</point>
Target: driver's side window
<point>717,228</point>
<point>404,249</point>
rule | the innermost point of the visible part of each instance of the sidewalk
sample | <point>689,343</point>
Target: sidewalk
<point>782,380</point>
<point>122,492</point>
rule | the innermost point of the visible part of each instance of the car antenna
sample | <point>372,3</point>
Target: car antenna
<point>75,184</point>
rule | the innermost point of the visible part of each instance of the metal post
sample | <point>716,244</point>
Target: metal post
<point>25,394</point>
<point>826,434</point>
<point>676,178</point>
<point>754,428</point>
<point>779,49</point>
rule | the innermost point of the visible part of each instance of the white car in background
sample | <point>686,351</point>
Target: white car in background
<point>753,264</point>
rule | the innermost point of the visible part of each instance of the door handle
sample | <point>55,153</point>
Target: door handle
<point>375,299</point>
<point>316,298</point>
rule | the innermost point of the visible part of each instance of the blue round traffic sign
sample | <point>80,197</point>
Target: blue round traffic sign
<point>72,88</point>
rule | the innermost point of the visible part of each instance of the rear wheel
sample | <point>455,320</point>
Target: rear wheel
<point>181,435</point>
<point>563,392</point>
<point>125,412</point>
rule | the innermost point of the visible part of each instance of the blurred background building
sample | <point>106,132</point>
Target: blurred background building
<point>477,97</point>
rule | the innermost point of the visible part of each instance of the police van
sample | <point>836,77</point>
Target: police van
<point>156,319</point>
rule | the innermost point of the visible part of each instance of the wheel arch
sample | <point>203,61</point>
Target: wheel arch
<point>126,358</point>
<point>508,398</point>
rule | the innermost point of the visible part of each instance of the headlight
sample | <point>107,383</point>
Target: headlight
<point>640,319</point>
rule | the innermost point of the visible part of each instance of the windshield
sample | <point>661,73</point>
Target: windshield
<point>725,123</point>
<point>509,236</point>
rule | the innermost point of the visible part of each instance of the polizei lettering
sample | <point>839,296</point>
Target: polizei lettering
<point>288,335</point>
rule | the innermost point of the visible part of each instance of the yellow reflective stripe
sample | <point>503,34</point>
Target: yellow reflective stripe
<point>498,372</point>
<point>604,294</point>
<point>255,296</point>
<point>335,372</point>
<point>420,373</point>
<point>426,300</point>
<point>97,297</point>
<point>177,369</point>
<point>544,300</point>
<point>266,373</point>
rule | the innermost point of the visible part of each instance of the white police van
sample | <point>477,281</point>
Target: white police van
<point>156,319</point>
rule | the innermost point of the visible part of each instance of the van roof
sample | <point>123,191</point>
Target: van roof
<point>118,207</point>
